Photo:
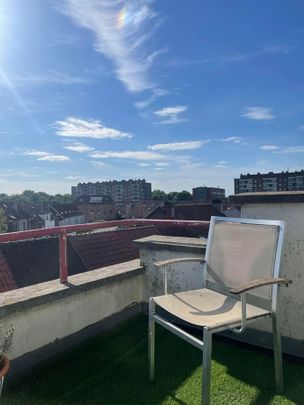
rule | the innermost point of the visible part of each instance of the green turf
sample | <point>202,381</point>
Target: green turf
<point>113,369</point>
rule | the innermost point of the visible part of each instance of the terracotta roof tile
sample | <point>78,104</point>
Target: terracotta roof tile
<point>7,281</point>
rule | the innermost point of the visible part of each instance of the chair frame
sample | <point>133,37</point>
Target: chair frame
<point>206,344</point>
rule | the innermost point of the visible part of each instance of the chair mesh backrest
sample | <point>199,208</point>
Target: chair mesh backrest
<point>240,253</point>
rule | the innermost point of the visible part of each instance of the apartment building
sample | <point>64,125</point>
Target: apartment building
<point>208,193</point>
<point>124,190</point>
<point>283,181</point>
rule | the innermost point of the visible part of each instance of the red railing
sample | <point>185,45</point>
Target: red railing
<point>63,231</point>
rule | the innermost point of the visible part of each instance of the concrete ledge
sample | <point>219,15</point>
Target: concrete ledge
<point>27,297</point>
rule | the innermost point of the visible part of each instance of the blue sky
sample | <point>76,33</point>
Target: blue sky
<point>179,93</point>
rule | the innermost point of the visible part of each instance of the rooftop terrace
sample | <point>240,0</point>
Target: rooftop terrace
<point>112,368</point>
<point>107,366</point>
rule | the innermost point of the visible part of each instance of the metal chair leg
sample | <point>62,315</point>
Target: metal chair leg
<point>1,386</point>
<point>277,349</point>
<point>207,349</point>
<point>151,339</point>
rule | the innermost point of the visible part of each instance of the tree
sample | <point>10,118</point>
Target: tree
<point>172,195</point>
<point>3,221</point>
<point>159,195</point>
<point>183,196</point>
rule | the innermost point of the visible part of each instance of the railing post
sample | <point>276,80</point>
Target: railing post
<point>63,256</point>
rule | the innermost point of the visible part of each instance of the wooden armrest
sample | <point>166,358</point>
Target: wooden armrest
<point>178,260</point>
<point>260,282</point>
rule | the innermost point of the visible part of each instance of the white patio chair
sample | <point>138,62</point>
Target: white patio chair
<point>243,256</point>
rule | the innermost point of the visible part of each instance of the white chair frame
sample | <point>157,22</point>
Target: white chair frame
<point>206,344</point>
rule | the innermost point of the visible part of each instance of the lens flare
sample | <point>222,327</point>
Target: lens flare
<point>121,17</point>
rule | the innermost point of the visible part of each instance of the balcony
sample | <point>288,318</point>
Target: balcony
<point>109,365</point>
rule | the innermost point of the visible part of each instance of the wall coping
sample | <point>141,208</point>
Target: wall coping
<point>172,243</point>
<point>37,294</point>
<point>267,197</point>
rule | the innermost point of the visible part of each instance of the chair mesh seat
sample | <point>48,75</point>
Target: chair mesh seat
<point>207,308</point>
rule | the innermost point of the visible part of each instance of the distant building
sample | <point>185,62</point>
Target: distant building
<point>204,194</point>
<point>96,208</point>
<point>124,190</point>
<point>284,181</point>
<point>19,219</point>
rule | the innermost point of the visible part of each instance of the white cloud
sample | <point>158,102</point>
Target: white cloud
<point>258,113</point>
<point>54,158</point>
<point>269,147</point>
<point>232,139</point>
<point>144,164</point>
<point>120,35</point>
<point>171,114</point>
<point>292,149</point>
<point>178,145</point>
<point>35,153</point>
<point>79,147</point>
<point>80,128</point>
<point>136,155</point>
<point>162,164</point>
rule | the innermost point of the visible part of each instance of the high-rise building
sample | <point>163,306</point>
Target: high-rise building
<point>284,181</point>
<point>124,190</point>
<point>208,193</point>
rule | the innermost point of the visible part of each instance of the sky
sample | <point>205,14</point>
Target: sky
<point>181,93</point>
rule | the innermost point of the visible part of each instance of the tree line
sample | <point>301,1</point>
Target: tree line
<point>32,197</point>
<point>160,195</point>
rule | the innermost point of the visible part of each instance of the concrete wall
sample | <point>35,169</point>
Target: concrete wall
<point>186,276</point>
<point>292,298</point>
<point>49,312</point>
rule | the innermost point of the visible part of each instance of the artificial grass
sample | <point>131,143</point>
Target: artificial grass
<point>113,369</point>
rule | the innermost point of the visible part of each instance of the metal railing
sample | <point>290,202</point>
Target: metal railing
<point>63,231</point>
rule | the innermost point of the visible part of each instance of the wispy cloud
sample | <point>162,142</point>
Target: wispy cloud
<point>99,164</point>
<point>221,164</point>
<point>121,32</point>
<point>258,113</point>
<point>291,149</point>
<point>144,164</point>
<point>162,164</point>
<point>80,128</point>
<point>136,155</point>
<point>269,147</point>
<point>79,147</point>
<point>54,158</point>
<point>219,60</point>
<point>232,139</point>
<point>45,156</point>
<point>171,115</point>
<point>155,95</point>
<point>178,145</point>
<point>35,153</point>
<point>49,77</point>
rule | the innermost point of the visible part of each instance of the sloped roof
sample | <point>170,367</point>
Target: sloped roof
<point>202,212</point>
<point>111,247</point>
<point>37,260</point>
<point>7,280</point>
<point>65,210</point>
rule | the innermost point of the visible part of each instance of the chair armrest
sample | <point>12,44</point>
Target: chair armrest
<point>260,282</point>
<point>178,260</point>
